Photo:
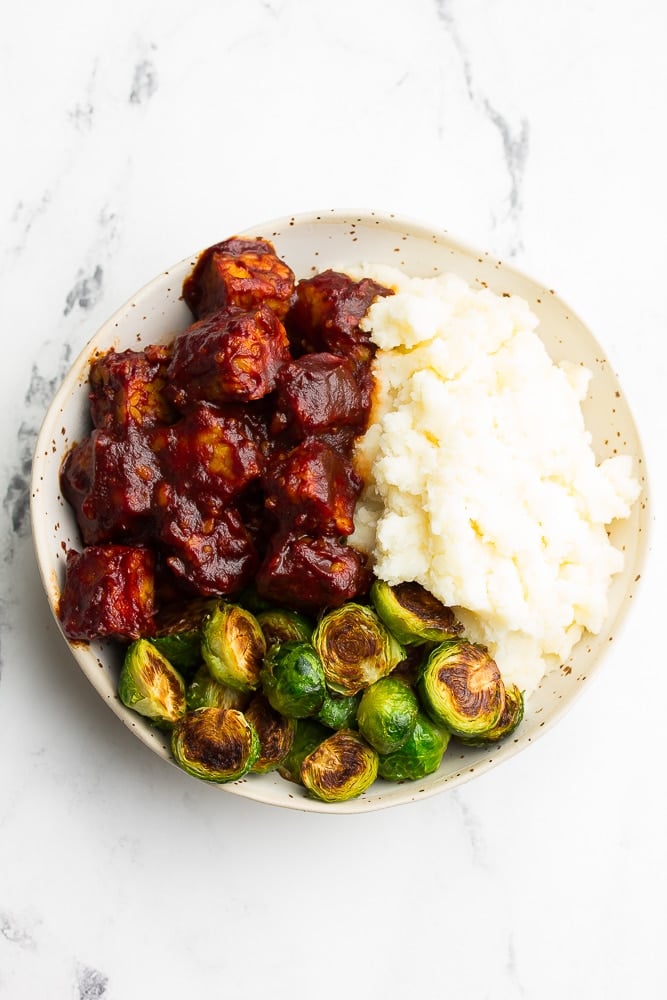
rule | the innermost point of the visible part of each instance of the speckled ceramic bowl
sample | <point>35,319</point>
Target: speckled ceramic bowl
<point>311,243</point>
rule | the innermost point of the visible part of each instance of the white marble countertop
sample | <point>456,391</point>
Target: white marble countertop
<point>137,133</point>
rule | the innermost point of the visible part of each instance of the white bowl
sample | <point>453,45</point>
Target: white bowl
<point>309,243</point>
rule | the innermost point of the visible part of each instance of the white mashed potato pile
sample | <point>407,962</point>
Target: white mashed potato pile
<point>481,481</point>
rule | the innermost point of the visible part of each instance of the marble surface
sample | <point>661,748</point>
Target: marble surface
<point>137,133</point>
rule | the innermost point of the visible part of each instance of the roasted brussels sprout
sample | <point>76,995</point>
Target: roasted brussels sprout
<point>281,625</point>
<point>461,688</point>
<point>339,711</point>
<point>293,679</point>
<point>275,731</point>
<point>204,691</point>
<point>421,754</point>
<point>308,734</point>
<point>150,685</point>
<point>508,721</point>
<point>233,647</point>
<point>387,714</point>
<point>355,647</point>
<point>215,744</point>
<point>341,767</point>
<point>412,614</point>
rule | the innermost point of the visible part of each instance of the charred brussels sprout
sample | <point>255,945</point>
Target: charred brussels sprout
<point>341,767</point>
<point>279,625</point>
<point>233,646</point>
<point>150,685</point>
<point>215,744</point>
<point>508,721</point>
<point>412,614</point>
<point>308,734</point>
<point>204,691</point>
<point>355,647</point>
<point>293,679</point>
<point>339,711</point>
<point>387,714</point>
<point>421,754</point>
<point>275,731</point>
<point>461,688</point>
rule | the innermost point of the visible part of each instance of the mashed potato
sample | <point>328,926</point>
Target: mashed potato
<point>481,481</point>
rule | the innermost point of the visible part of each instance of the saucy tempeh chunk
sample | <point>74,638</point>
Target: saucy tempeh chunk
<point>310,573</point>
<point>110,482</point>
<point>230,356</point>
<point>315,393</point>
<point>212,554</point>
<point>126,389</point>
<point>326,312</point>
<point>313,489</point>
<point>209,456</point>
<point>109,593</point>
<point>239,272</point>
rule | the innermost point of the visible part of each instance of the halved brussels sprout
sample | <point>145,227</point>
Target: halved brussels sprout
<point>293,679</point>
<point>413,614</point>
<point>178,634</point>
<point>275,731</point>
<point>509,719</point>
<point>355,648</point>
<point>150,685</point>
<point>461,688</point>
<point>387,714</point>
<point>215,744</point>
<point>308,734</point>
<point>233,647</point>
<point>339,711</point>
<point>341,767</point>
<point>204,691</point>
<point>281,625</point>
<point>421,754</point>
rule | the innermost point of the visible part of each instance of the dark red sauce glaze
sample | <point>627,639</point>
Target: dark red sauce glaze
<point>224,459</point>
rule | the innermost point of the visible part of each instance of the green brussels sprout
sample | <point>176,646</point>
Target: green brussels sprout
<point>275,731</point>
<point>293,679</point>
<point>215,744</point>
<point>387,714</point>
<point>508,721</point>
<point>339,711</point>
<point>178,634</point>
<point>413,614</point>
<point>355,648</point>
<point>150,685</point>
<point>308,734</point>
<point>461,688</point>
<point>280,625</point>
<point>233,647</point>
<point>204,691</point>
<point>421,754</point>
<point>340,768</point>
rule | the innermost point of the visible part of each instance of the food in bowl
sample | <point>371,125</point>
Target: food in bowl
<point>235,458</point>
<point>342,240</point>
